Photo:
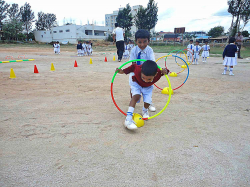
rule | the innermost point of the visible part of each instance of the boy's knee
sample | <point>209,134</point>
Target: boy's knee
<point>136,97</point>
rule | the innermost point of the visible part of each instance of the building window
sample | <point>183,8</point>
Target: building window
<point>67,30</point>
<point>60,31</point>
<point>54,31</point>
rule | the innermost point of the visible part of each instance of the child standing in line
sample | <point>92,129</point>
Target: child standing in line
<point>89,48</point>
<point>58,47</point>
<point>197,50</point>
<point>84,48</point>
<point>131,45</point>
<point>142,51</point>
<point>229,56</point>
<point>205,51</point>
<point>126,52</point>
<point>79,49</point>
<point>190,51</point>
<point>145,76</point>
<point>55,47</point>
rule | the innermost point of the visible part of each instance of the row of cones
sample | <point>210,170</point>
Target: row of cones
<point>12,73</point>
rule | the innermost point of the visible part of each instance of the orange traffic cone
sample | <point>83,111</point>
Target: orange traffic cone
<point>75,64</point>
<point>35,69</point>
<point>106,60</point>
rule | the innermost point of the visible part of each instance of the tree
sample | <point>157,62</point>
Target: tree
<point>3,10</point>
<point>11,29</point>
<point>240,9</point>
<point>245,33</point>
<point>216,31</point>
<point>45,21</point>
<point>13,12</point>
<point>124,19</point>
<point>27,17</point>
<point>146,18</point>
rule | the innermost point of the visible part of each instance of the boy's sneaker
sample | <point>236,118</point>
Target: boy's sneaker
<point>224,72</point>
<point>152,108</point>
<point>130,124</point>
<point>231,73</point>
<point>145,114</point>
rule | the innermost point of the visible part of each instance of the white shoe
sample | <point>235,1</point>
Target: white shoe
<point>152,108</point>
<point>145,114</point>
<point>231,73</point>
<point>130,125</point>
<point>224,72</point>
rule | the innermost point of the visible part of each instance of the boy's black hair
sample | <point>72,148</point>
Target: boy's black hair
<point>191,40</point>
<point>197,41</point>
<point>231,40</point>
<point>142,33</point>
<point>116,24</point>
<point>206,41</point>
<point>149,68</point>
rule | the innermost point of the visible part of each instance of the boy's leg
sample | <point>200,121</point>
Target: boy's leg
<point>231,70</point>
<point>225,70</point>
<point>147,99</point>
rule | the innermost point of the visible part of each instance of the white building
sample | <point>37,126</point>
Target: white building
<point>110,19</point>
<point>72,33</point>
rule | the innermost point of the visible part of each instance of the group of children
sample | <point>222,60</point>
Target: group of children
<point>56,46</point>
<point>84,49</point>
<point>194,51</point>
<point>142,75</point>
<point>127,49</point>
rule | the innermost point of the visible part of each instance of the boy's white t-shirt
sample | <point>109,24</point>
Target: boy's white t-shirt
<point>118,31</point>
<point>147,53</point>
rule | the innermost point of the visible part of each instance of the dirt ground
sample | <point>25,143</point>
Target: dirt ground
<point>61,128</point>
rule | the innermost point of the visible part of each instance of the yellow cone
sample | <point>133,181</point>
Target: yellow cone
<point>52,67</point>
<point>173,74</point>
<point>166,91</point>
<point>113,58</point>
<point>90,61</point>
<point>139,122</point>
<point>12,74</point>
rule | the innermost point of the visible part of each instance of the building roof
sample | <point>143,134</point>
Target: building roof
<point>219,38</point>
<point>202,37</point>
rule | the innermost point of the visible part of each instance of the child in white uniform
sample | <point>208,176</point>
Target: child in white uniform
<point>89,48</point>
<point>84,48</point>
<point>205,52</point>
<point>229,56</point>
<point>142,51</point>
<point>79,49</point>
<point>190,51</point>
<point>58,47</point>
<point>55,47</point>
<point>126,51</point>
<point>197,50</point>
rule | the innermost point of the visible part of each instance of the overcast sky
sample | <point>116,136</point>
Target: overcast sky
<point>195,15</point>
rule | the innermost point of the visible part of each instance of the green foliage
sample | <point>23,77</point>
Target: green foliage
<point>216,31</point>
<point>45,21</point>
<point>124,18</point>
<point>3,10</point>
<point>14,12</point>
<point>110,38</point>
<point>12,29</point>
<point>240,9</point>
<point>21,37</point>
<point>27,17</point>
<point>146,18</point>
<point>245,33</point>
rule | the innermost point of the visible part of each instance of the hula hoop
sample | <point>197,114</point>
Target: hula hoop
<point>187,73</point>
<point>176,55</point>
<point>175,60</point>
<point>112,95</point>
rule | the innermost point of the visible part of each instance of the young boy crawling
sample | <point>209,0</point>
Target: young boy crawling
<point>145,76</point>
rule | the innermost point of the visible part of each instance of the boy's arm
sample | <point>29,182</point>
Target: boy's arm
<point>126,70</point>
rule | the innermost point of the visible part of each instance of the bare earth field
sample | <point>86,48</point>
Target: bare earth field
<point>61,128</point>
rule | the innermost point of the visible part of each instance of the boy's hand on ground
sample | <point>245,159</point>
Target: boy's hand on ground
<point>164,71</point>
<point>120,71</point>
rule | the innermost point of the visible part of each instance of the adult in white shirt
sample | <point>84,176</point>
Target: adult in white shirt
<point>118,37</point>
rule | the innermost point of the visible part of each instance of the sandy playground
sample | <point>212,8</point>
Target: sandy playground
<point>61,128</point>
